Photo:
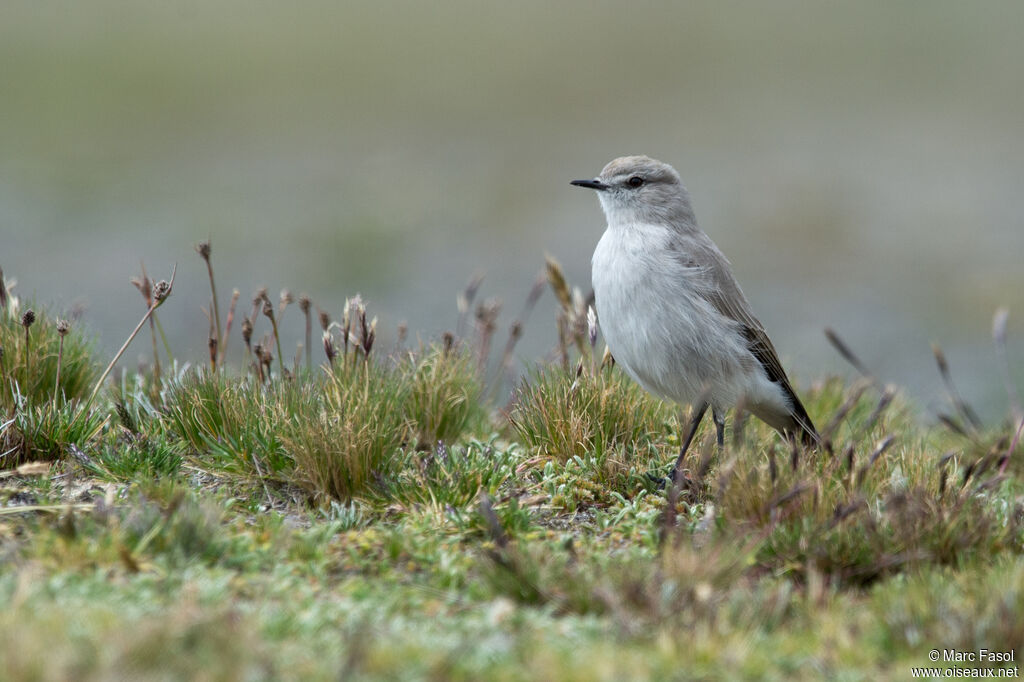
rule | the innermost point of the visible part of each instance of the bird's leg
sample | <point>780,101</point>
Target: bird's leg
<point>691,431</point>
<point>719,426</point>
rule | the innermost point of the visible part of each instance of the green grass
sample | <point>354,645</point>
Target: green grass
<point>378,518</point>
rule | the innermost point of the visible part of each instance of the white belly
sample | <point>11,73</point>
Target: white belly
<point>662,332</point>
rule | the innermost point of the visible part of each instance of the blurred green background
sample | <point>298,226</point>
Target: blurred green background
<point>862,164</point>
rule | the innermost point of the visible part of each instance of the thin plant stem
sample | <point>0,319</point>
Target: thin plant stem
<point>216,308</point>
<point>28,354</point>
<point>60,360</point>
<point>157,302</point>
<point>277,342</point>
<point>227,327</point>
<point>156,355</point>
<point>163,338</point>
<point>309,335</point>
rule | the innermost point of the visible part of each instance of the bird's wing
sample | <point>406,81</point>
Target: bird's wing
<point>725,296</point>
<point>730,302</point>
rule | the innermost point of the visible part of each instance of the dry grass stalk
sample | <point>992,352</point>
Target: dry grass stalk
<point>63,326</point>
<point>464,302</point>
<point>204,250</point>
<point>235,295</point>
<point>145,286</point>
<point>966,412</point>
<point>268,312</point>
<point>160,291</point>
<point>28,318</point>
<point>304,305</point>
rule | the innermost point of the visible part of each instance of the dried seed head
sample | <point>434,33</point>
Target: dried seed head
<point>247,330</point>
<point>329,347</point>
<point>369,333</point>
<point>357,306</point>
<point>268,310</point>
<point>28,318</point>
<point>448,339</point>
<point>259,296</point>
<point>286,298</point>
<point>203,249</point>
<point>325,318</point>
<point>161,290</point>
<point>487,313</point>
<point>557,281</point>
<point>212,344</point>
<point>304,303</point>
<point>63,327</point>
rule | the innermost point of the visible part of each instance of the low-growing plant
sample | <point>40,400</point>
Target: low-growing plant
<point>445,395</point>
<point>344,443</point>
<point>599,416</point>
<point>131,456</point>
<point>31,353</point>
<point>873,508</point>
<point>46,430</point>
<point>454,475</point>
<point>235,419</point>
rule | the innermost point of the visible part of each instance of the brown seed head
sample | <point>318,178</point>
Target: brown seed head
<point>246,330</point>
<point>325,319</point>
<point>329,349</point>
<point>28,318</point>
<point>305,303</point>
<point>268,310</point>
<point>487,312</point>
<point>63,327</point>
<point>369,335</point>
<point>259,296</point>
<point>161,290</point>
<point>203,249</point>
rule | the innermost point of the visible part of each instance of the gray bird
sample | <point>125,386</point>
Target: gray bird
<point>671,311</point>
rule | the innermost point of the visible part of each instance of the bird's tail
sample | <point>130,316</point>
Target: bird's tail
<point>795,424</point>
<point>801,427</point>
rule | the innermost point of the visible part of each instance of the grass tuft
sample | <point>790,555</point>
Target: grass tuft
<point>29,369</point>
<point>346,442</point>
<point>445,395</point>
<point>601,418</point>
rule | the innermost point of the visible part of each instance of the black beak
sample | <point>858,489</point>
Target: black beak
<point>592,184</point>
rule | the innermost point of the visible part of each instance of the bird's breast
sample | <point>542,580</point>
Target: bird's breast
<point>658,326</point>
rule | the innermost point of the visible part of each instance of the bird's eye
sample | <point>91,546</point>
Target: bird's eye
<point>635,181</point>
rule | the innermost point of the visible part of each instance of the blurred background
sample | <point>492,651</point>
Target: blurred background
<point>861,164</point>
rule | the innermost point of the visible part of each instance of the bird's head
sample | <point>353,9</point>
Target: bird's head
<point>641,189</point>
